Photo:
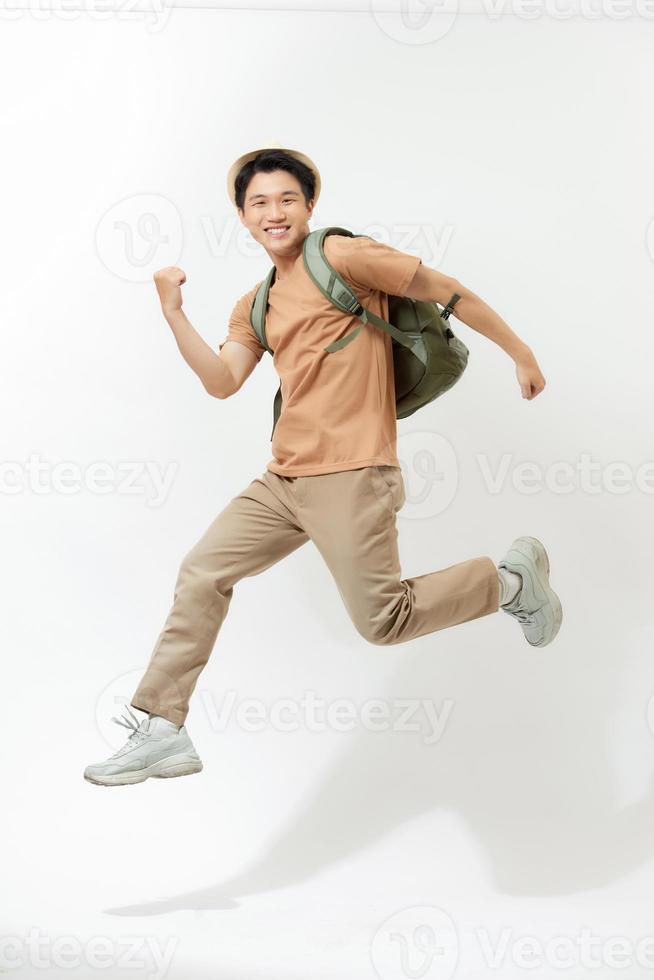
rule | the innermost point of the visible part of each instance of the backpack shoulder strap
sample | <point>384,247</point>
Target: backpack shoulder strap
<point>259,307</point>
<point>339,292</point>
<point>327,279</point>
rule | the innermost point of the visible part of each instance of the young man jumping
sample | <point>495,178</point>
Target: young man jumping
<point>334,478</point>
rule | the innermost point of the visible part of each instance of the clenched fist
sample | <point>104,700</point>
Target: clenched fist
<point>530,377</point>
<point>168,282</point>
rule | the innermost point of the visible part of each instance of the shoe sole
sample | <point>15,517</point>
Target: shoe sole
<point>528,557</point>
<point>175,765</point>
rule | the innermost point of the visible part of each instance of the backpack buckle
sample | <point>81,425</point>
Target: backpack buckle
<point>355,307</point>
<point>351,303</point>
<point>450,306</point>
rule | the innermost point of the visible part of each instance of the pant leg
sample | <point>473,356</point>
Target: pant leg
<point>257,528</point>
<point>350,517</point>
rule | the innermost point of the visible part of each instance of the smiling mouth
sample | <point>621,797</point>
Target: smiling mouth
<point>278,232</point>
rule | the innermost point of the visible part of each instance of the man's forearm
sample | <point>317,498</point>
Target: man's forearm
<point>211,370</point>
<point>434,286</point>
<point>478,315</point>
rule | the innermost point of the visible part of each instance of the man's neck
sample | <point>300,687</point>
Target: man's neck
<point>284,264</point>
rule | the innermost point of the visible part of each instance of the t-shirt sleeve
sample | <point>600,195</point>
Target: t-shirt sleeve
<point>369,264</point>
<point>240,329</point>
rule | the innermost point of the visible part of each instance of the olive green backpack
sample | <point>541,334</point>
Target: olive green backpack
<point>427,357</point>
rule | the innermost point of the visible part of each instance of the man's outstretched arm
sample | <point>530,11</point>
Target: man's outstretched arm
<point>432,285</point>
<point>221,374</point>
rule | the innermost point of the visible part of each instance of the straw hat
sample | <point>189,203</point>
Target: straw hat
<point>242,160</point>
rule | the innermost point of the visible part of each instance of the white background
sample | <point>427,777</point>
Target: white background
<point>524,147</point>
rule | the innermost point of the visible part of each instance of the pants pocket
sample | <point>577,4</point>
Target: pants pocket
<point>390,478</point>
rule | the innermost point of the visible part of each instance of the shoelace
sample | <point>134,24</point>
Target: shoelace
<point>137,736</point>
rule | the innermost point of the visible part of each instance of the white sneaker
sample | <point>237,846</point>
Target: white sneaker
<point>153,749</point>
<point>536,605</point>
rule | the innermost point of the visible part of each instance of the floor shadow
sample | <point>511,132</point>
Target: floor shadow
<point>533,786</point>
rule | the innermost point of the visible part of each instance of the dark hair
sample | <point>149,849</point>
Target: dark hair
<point>266,162</point>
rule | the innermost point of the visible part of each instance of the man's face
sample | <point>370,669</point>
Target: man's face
<point>275,200</point>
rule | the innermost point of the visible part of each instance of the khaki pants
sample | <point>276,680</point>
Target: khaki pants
<point>350,517</point>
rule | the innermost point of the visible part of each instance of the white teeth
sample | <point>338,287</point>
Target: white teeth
<point>276,231</point>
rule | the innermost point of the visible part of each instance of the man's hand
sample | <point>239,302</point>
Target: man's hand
<point>168,281</point>
<point>529,376</point>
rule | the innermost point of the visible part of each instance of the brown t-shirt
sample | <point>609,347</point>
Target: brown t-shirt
<point>338,410</point>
